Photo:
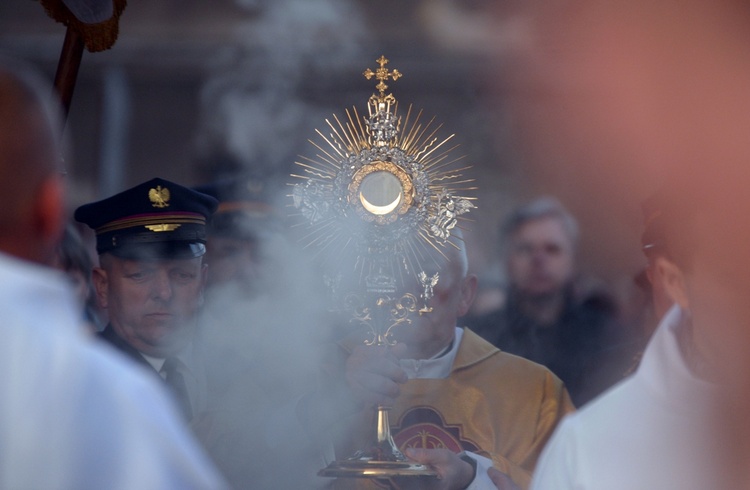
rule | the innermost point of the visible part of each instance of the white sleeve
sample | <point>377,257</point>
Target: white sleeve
<point>482,479</point>
<point>83,416</point>
<point>556,469</point>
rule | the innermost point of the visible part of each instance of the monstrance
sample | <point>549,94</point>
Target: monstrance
<point>378,202</point>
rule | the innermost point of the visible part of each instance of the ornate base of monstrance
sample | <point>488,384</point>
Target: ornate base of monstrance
<point>368,468</point>
<point>382,460</point>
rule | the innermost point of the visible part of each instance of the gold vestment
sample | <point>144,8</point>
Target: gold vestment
<point>494,404</point>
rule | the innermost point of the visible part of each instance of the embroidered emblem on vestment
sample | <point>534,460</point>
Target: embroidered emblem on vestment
<point>424,427</point>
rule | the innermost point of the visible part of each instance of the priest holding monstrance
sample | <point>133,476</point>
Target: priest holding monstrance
<point>436,406</point>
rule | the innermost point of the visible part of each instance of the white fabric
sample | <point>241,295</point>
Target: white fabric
<point>156,362</point>
<point>648,432</point>
<point>438,367</point>
<point>77,415</point>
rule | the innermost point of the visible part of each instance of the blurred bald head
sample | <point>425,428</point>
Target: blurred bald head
<point>31,190</point>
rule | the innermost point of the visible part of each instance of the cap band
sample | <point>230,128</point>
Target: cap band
<point>157,222</point>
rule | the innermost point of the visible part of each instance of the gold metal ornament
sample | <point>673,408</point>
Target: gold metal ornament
<point>162,227</point>
<point>382,74</point>
<point>159,197</point>
<point>379,200</point>
<point>381,192</point>
<point>404,183</point>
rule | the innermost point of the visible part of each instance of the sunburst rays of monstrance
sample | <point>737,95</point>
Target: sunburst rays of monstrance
<point>378,202</point>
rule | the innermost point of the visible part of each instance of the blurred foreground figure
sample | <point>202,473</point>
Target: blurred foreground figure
<point>643,95</point>
<point>546,317</point>
<point>654,278</point>
<point>451,392</point>
<point>74,414</point>
<point>653,244</point>
<point>151,241</point>
<point>652,430</point>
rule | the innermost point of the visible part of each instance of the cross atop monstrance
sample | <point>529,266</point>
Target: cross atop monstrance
<point>382,74</point>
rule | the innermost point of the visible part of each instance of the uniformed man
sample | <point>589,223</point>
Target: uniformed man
<point>74,414</point>
<point>151,276</point>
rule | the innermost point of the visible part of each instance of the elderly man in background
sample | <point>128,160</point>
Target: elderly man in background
<point>74,414</point>
<point>547,318</point>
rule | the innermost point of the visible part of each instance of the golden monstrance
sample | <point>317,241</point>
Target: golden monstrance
<point>378,201</point>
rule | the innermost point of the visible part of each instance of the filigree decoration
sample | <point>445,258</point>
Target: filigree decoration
<point>399,314</point>
<point>311,199</point>
<point>402,308</point>
<point>381,315</point>
<point>446,213</point>
<point>428,283</point>
<point>383,127</point>
<point>381,283</point>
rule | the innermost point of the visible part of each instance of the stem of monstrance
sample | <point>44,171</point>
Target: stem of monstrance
<point>381,458</point>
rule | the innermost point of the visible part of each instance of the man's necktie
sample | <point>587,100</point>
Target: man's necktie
<point>172,370</point>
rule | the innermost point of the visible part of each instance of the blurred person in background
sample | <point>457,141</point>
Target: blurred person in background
<point>239,234</point>
<point>259,337</point>
<point>75,415</point>
<point>73,258</point>
<point>247,255</point>
<point>546,317</point>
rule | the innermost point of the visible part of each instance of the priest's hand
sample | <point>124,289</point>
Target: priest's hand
<point>374,375</point>
<point>453,473</point>
<point>501,480</point>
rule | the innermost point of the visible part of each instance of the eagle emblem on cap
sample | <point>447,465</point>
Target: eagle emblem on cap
<point>159,197</point>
